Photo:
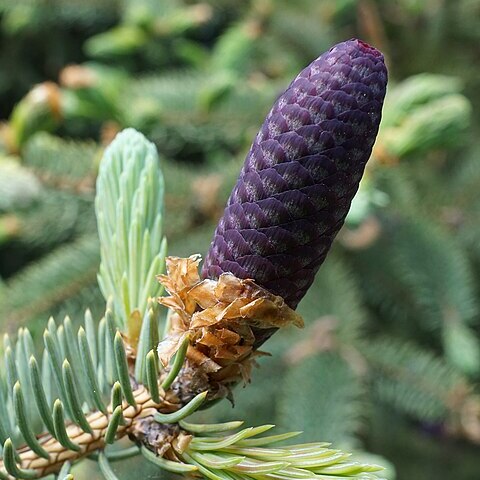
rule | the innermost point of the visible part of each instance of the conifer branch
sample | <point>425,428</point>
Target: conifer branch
<point>145,389</point>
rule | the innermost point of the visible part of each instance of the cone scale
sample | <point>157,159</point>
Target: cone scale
<point>301,173</point>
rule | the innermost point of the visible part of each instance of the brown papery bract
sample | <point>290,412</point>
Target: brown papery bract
<point>217,316</point>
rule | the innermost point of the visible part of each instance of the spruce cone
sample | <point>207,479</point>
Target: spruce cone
<point>301,174</point>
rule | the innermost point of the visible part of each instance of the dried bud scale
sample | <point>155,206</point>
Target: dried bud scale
<point>301,174</point>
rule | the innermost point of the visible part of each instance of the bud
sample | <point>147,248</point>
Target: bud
<point>40,109</point>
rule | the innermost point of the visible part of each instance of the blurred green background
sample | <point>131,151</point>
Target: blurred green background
<point>389,362</point>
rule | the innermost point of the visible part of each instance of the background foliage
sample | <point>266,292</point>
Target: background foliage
<point>389,362</point>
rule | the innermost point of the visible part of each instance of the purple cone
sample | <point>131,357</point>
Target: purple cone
<point>302,172</point>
